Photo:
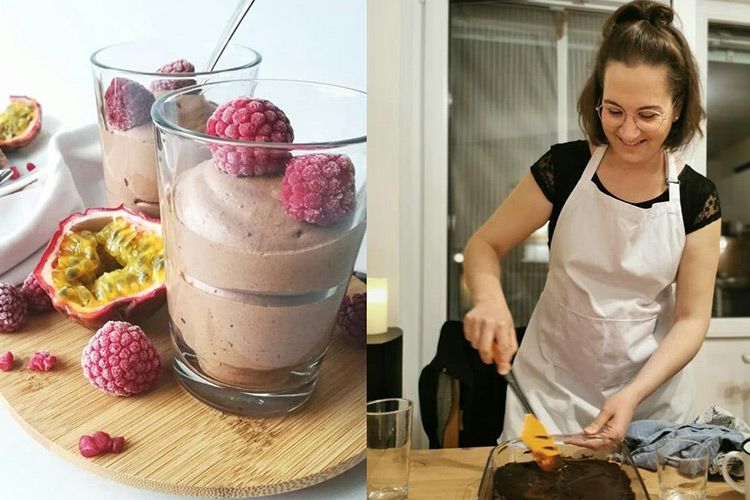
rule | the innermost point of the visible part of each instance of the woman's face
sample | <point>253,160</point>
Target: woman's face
<point>639,94</point>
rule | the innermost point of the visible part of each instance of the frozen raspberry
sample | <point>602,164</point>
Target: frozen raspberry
<point>99,443</point>
<point>127,104</point>
<point>6,361</point>
<point>14,173</point>
<point>42,361</point>
<point>37,299</point>
<point>120,359</point>
<point>12,308</point>
<point>103,440</point>
<point>178,66</point>
<point>352,317</point>
<point>30,166</point>
<point>318,188</point>
<point>118,444</point>
<point>88,446</point>
<point>250,119</point>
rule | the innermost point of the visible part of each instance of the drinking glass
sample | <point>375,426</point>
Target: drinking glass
<point>682,468</point>
<point>127,80</point>
<point>388,446</point>
<point>255,276</point>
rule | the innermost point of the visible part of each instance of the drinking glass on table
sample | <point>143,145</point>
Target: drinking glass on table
<point>388,446</point>
<point>682,467</point>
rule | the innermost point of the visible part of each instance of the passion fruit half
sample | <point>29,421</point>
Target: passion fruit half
<point>104,264</point>
<point>20,123</point>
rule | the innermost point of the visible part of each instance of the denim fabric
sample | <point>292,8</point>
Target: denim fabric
<point>644,435</point>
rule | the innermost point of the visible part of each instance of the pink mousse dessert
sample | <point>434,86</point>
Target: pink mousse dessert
<point>260,245</point>
<point>127,135</point>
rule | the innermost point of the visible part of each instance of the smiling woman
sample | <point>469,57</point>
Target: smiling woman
<point>633,236</point>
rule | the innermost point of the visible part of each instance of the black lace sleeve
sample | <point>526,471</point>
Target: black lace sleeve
<point>544,175</point>
<point>702,197</point>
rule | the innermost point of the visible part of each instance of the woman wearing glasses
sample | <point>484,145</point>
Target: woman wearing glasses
<point>634,245</point>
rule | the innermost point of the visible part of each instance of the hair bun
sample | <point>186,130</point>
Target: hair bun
<point>657,14</point>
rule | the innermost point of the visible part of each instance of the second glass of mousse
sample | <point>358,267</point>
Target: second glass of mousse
<point>128,77</point>
<point>263,216</point>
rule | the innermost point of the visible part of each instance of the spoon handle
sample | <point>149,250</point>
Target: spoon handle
<point>239,14</point>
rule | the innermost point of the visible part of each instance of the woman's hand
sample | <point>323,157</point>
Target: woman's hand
<point>615,416</point>
<point>489,328</point>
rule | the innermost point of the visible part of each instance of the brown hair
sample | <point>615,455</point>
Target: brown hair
<point>641,32</point>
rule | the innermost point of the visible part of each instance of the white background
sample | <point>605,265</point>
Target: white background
<point>44,53</point>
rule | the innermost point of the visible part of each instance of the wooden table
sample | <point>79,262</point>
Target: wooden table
<point>454,473</point>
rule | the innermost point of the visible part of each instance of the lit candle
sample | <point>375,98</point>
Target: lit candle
<point>377,305</point>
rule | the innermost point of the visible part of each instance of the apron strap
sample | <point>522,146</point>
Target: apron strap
<point>672,180</point>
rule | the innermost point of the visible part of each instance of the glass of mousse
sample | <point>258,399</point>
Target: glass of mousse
<point>128,77</point>
<point>263,213</point>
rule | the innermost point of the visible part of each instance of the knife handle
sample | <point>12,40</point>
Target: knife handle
<point>513,383</point>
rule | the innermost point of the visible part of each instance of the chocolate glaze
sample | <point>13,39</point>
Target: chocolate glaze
<point>575,479</point>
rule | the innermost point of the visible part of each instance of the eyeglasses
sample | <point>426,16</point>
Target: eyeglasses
<point>647,120</point>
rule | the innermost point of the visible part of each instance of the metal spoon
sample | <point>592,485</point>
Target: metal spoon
<point>5,174</point>
<point>234,22</point>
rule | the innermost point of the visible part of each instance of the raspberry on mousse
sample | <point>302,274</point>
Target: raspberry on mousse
<point>250,119</point>
<point>318,188</point>
<point>120,359</point>
<point>13,308</point>
<point>178,66</point>
<point>127,104</point>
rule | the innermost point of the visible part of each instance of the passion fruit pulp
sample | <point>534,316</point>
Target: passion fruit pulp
<point>20,123</point>
<point>104,264</point>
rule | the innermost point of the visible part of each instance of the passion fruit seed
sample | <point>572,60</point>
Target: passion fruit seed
<point>120,260</point>
<point>16,119</point>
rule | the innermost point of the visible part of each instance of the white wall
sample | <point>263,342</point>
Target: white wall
<point>43,40</point>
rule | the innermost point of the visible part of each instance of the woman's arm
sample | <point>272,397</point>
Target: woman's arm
<point>695,287</point>
<point>489,322</point>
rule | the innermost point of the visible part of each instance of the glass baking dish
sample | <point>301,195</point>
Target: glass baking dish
<point>515,451</point>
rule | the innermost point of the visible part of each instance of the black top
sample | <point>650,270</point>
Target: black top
<point>559,170</point>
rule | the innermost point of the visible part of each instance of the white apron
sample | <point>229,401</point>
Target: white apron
<point>606,305</point>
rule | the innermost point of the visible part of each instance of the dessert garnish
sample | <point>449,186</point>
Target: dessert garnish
<point>178,66</point>
<point>6,361</point>
<point>127,104</point>
<point>121,360</point>
<point>352,315</point>
<point>42,361</point>
<point>250,119</point>
<point>30,166</point>
<point>13,308</point>
<point>318,188</point>
<point>15,175</point>
<point>103,264</point>
<point>37,299</point>
<point>20,123</point>
<point>99,443</point>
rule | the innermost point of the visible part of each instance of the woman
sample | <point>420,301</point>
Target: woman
<point>634,246</point>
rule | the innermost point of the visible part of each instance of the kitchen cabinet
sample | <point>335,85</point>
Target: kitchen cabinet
<point>722,374</point>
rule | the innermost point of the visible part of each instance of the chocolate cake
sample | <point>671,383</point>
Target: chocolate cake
<point>575,479</point>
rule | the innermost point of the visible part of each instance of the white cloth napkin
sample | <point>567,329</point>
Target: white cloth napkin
<point>30,217</point>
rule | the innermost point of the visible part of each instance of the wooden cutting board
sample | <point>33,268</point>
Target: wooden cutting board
<point>174,443</point>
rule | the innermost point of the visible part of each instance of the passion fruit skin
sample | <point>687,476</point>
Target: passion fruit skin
<point>132,308</point>
<point>10,139</point>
